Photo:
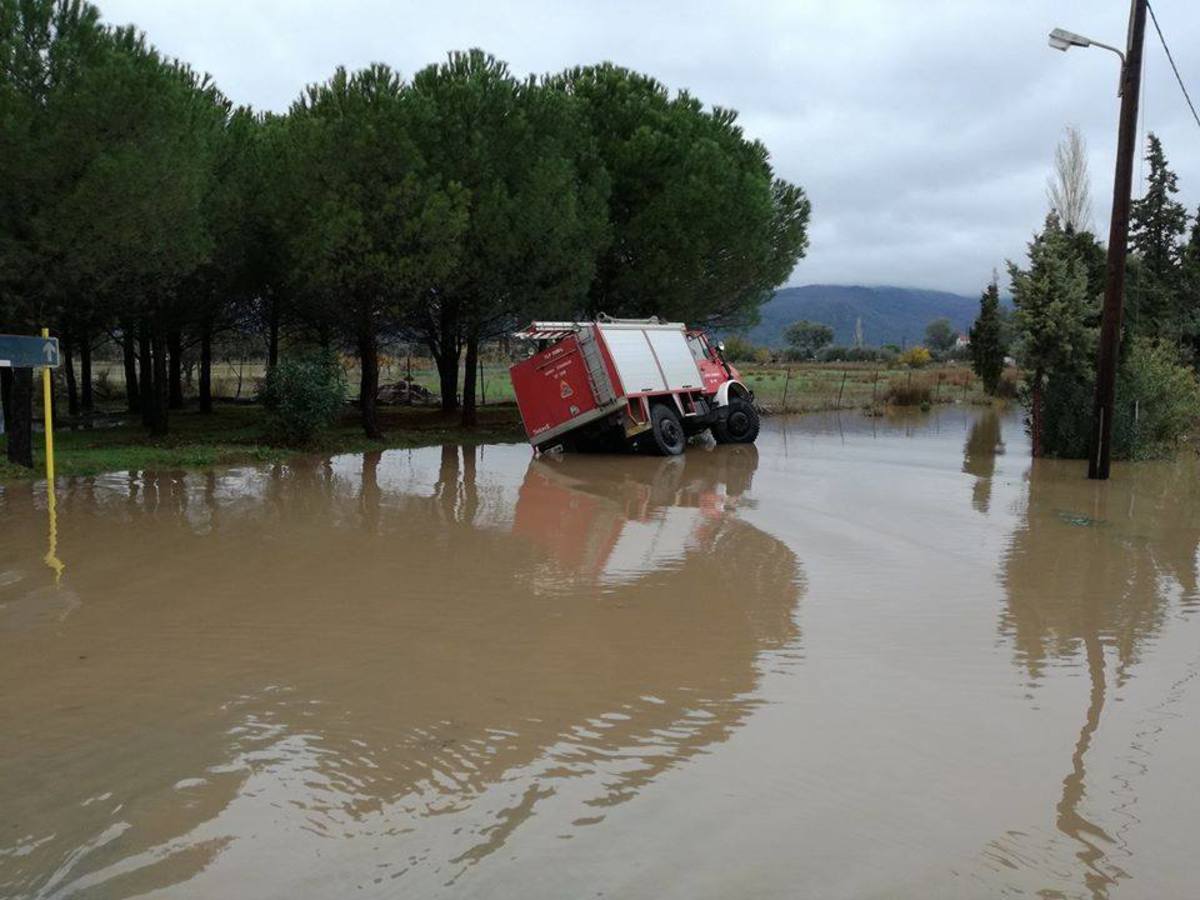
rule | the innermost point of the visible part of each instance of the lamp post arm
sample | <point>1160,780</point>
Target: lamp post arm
<point>1113,49</point>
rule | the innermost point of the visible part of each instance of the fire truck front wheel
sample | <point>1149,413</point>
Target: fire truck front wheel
<point>666,437</point>
<point>739,425</point>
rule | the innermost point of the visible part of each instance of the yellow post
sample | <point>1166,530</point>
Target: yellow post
<point>48,413</point>
<point>51,557</point>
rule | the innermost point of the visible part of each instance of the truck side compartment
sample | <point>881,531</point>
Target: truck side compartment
<point>557,390</point>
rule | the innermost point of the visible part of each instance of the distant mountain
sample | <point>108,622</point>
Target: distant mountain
<point>890,315</point>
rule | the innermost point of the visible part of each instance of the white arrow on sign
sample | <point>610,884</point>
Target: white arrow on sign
<point>48,351</point>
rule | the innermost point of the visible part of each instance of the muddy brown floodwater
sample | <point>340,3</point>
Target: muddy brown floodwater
<point>868,658</point>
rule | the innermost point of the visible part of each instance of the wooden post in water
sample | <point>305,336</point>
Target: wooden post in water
<point>787,379</point>
<point>841,388</point>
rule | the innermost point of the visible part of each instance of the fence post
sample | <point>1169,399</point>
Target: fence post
<point>841,388</point>
<point>786,381</point>
<point>874,387</point>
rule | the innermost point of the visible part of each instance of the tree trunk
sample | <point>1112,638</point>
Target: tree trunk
<point>368,356</point>
<point>1035,416</point>
<point>159,402</point>
<point>146,373</point>
<point>273,334</point>
<point>20,420</point>
<point>447,366</point>
<point>6,380</point>
<point>132,399</point>
<point>470,373</point>
<point>68,367</point>
<point>87,399</point>
<point>206,369</point>
<point>175,376</point>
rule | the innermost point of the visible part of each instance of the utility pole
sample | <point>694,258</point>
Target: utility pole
<point>1118,234</point>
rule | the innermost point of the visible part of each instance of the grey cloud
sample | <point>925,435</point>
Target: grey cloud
<point>923,132</point>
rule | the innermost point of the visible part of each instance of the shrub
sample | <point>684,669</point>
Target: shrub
<point>915,357</point>
<point>1157,406</point>
<point>909,391</point>
<point>302,395</point>
<point>1009,385</point>
<point>738,349</point>
<point>763,355</point>
<point>834,353</point>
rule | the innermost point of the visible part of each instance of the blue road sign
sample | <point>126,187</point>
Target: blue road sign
<point>20,352</point>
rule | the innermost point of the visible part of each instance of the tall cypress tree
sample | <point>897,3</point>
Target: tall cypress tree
<point>1190,290</point>
<point>987,345</point>
<point>1051,318</point>
<point>1157,225</point>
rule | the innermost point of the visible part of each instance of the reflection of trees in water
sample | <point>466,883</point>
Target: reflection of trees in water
<point>983,445</point>
<point>366,659</point>
<point>1091,574</point>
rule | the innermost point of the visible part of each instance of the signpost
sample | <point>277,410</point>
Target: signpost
<point>22,352</point>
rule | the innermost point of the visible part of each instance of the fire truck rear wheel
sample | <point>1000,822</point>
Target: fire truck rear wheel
<point>740,425</point>
<point>666,437</point>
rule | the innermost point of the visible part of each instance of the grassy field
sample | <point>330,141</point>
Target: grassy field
<point>236,433</point>
<point>815,387</point>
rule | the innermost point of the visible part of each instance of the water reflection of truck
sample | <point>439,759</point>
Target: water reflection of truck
<point>613,526</point>
<point>629,382</point>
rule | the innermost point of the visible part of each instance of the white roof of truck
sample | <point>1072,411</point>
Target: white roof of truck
<point>554,331</point>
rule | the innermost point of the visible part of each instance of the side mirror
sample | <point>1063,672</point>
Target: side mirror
<point>721,346</point>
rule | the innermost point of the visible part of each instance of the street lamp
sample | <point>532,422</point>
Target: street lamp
<point>1100,449</point>
<point>1061,39</point>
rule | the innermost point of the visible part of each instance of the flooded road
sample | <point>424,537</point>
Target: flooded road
<point>868,658</point>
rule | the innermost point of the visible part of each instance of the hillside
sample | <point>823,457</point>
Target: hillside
<point>890,315</point>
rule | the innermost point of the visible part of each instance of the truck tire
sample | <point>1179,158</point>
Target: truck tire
<point>666,437</point>
<point>739,425</point>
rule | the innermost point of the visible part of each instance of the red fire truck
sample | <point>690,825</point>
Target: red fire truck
<point>631,382</point>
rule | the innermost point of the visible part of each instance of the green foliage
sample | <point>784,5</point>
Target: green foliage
<point>1055,341</point>
<point>1052,307</point>
<point>1157,406</point>
<point>808,337</point>
<point>739,349</point>
<point>1157,224</point>
<point>302,396</point>
<point>136,201</point>
<point>987,346</point>
<point>940,335</point>
<point>915,358</point>
<point>701,230</point>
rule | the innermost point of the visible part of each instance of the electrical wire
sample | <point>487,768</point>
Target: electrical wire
<point>1162,40</point>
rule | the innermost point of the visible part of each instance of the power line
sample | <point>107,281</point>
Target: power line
<point>1162,40</point>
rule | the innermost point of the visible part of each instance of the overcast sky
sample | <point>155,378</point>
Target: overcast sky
<point>922,131</point>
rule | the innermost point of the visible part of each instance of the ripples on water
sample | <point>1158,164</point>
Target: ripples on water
<point>458,670</point>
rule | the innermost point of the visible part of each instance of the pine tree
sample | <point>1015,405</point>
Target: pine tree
<point>1051,319</point>
<point>1190,290</point>
<point>987,346</point>
<point>1157,225</point>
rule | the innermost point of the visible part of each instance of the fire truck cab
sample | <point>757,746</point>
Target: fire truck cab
<point>628,382</point>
